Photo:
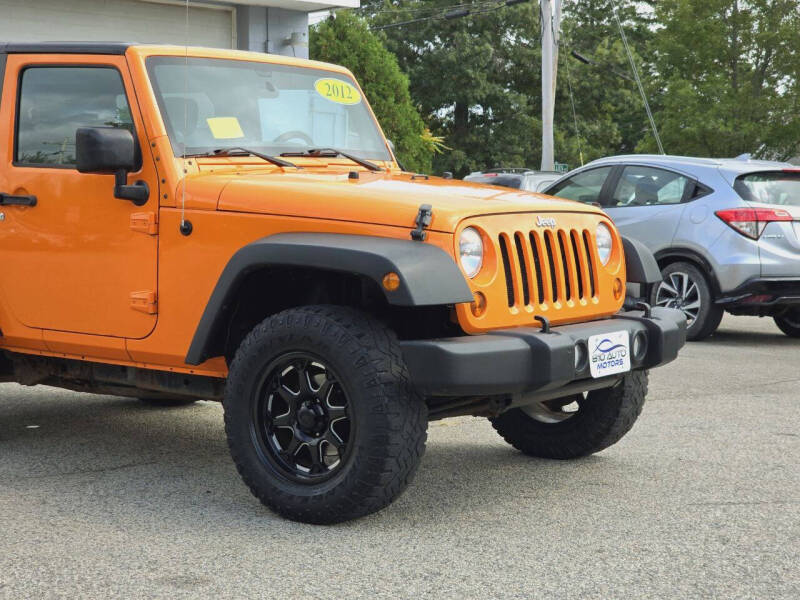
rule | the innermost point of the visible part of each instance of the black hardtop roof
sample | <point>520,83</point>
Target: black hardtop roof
<point>64,47</point>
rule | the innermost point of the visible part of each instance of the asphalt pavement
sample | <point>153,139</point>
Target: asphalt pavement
<point>102,497</point>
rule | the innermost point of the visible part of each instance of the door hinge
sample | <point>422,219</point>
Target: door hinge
<point>144,302</point>
<point>145,222</point>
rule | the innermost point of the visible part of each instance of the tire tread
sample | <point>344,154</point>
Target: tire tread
<point>398,416</point>
<point>603,419</point>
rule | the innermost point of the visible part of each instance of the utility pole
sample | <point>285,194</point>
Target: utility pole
<point>551,24</point>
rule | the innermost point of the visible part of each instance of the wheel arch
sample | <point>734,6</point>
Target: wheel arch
<point>672,255</point>
<point>292,269</point>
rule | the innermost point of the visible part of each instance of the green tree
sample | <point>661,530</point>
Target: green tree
<point>461,76</point>
<point>729,71</point>
<point>346,40</point>
<point>477,80</point>
<point>610,112</point>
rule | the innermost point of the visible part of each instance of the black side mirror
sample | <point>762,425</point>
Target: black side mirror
<point>110,150</point>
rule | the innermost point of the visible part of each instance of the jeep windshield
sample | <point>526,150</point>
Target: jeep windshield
<point>211,104</point>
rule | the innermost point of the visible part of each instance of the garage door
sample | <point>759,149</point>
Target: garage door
<point>114,20</point>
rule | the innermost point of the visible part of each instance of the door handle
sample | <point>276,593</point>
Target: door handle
<point>9,200</point>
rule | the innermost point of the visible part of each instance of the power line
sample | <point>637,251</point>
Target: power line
<point>456,12</point>
<point>588,61</point>
<point>638,80</point>
<point>574,113</point>
<point>411,9</point>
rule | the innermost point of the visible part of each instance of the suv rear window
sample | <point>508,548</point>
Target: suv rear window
<point>774,187</point>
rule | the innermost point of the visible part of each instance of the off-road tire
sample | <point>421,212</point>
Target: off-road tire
<point>789,322</point>
<point>710,315</point>
<point>603,417</point>
<point>391,418</point>
<point>166,402</point>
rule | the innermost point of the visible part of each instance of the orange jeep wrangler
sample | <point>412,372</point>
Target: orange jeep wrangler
<point>181,224</point>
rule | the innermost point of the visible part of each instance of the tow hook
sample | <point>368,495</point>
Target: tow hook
<point>633,304</point>
<point>423,221</point>
<point>544,321</point>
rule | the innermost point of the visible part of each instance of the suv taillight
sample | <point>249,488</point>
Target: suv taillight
<point>752,221</point>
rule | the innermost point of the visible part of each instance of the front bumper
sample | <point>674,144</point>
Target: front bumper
<point>525,360</point>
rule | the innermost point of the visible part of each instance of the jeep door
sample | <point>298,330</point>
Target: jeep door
<point>79,260</point>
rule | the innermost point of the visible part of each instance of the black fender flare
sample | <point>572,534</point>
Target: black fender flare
<point>428,275</point>
<point>640,264</point>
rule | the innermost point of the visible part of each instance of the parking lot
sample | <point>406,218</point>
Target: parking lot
<point>103,497</point>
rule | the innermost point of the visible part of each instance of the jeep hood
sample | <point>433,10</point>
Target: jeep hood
<point>380,198</point>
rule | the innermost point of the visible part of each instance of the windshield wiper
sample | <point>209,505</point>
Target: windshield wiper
<point>318,152</point>
<point>239,150</point>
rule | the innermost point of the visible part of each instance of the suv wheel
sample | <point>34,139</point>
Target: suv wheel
<point>578,425</point>
<point>321,418</point>
<point>789,322</point>
<point>687,289</point>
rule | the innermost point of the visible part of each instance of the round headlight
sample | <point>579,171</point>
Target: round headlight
<point>604,241</point>
<point>470,250</point>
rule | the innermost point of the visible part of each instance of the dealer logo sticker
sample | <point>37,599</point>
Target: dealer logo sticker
<point>609,353</point>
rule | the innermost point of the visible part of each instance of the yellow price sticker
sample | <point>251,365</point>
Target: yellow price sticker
<point>225,128</point>
<point>337,91</point>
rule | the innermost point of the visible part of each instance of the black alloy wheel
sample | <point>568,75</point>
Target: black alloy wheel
<point>322,420</point>
<point>301,420</point>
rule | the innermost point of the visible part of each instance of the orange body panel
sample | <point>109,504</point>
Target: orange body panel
<point>191,266</point>
<point>72,262</point>
<point>581,291</point>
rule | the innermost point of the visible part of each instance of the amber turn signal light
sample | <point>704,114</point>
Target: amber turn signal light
<point>618,288</point>
<point>391,281</point>
<point>478,305</point>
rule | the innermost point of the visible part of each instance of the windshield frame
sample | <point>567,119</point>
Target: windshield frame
<point>152,61</point>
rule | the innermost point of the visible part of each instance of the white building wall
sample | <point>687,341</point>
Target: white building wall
<point>275,26</point>
<point>116,20</point>
<point>273,30</point>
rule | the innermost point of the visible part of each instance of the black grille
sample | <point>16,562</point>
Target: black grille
<point>523,269</point>
<point>548,243</point>
<point>577,258</point>
<point>538,256</point>
<point>537,265</point>
<point>588,245</point>
<point>565,265</point>
<point>507,269</point>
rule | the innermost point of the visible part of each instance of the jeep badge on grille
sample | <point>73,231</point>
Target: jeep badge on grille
<point>546,222</point>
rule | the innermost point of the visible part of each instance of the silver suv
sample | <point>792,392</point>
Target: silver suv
<point>725,232</point>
